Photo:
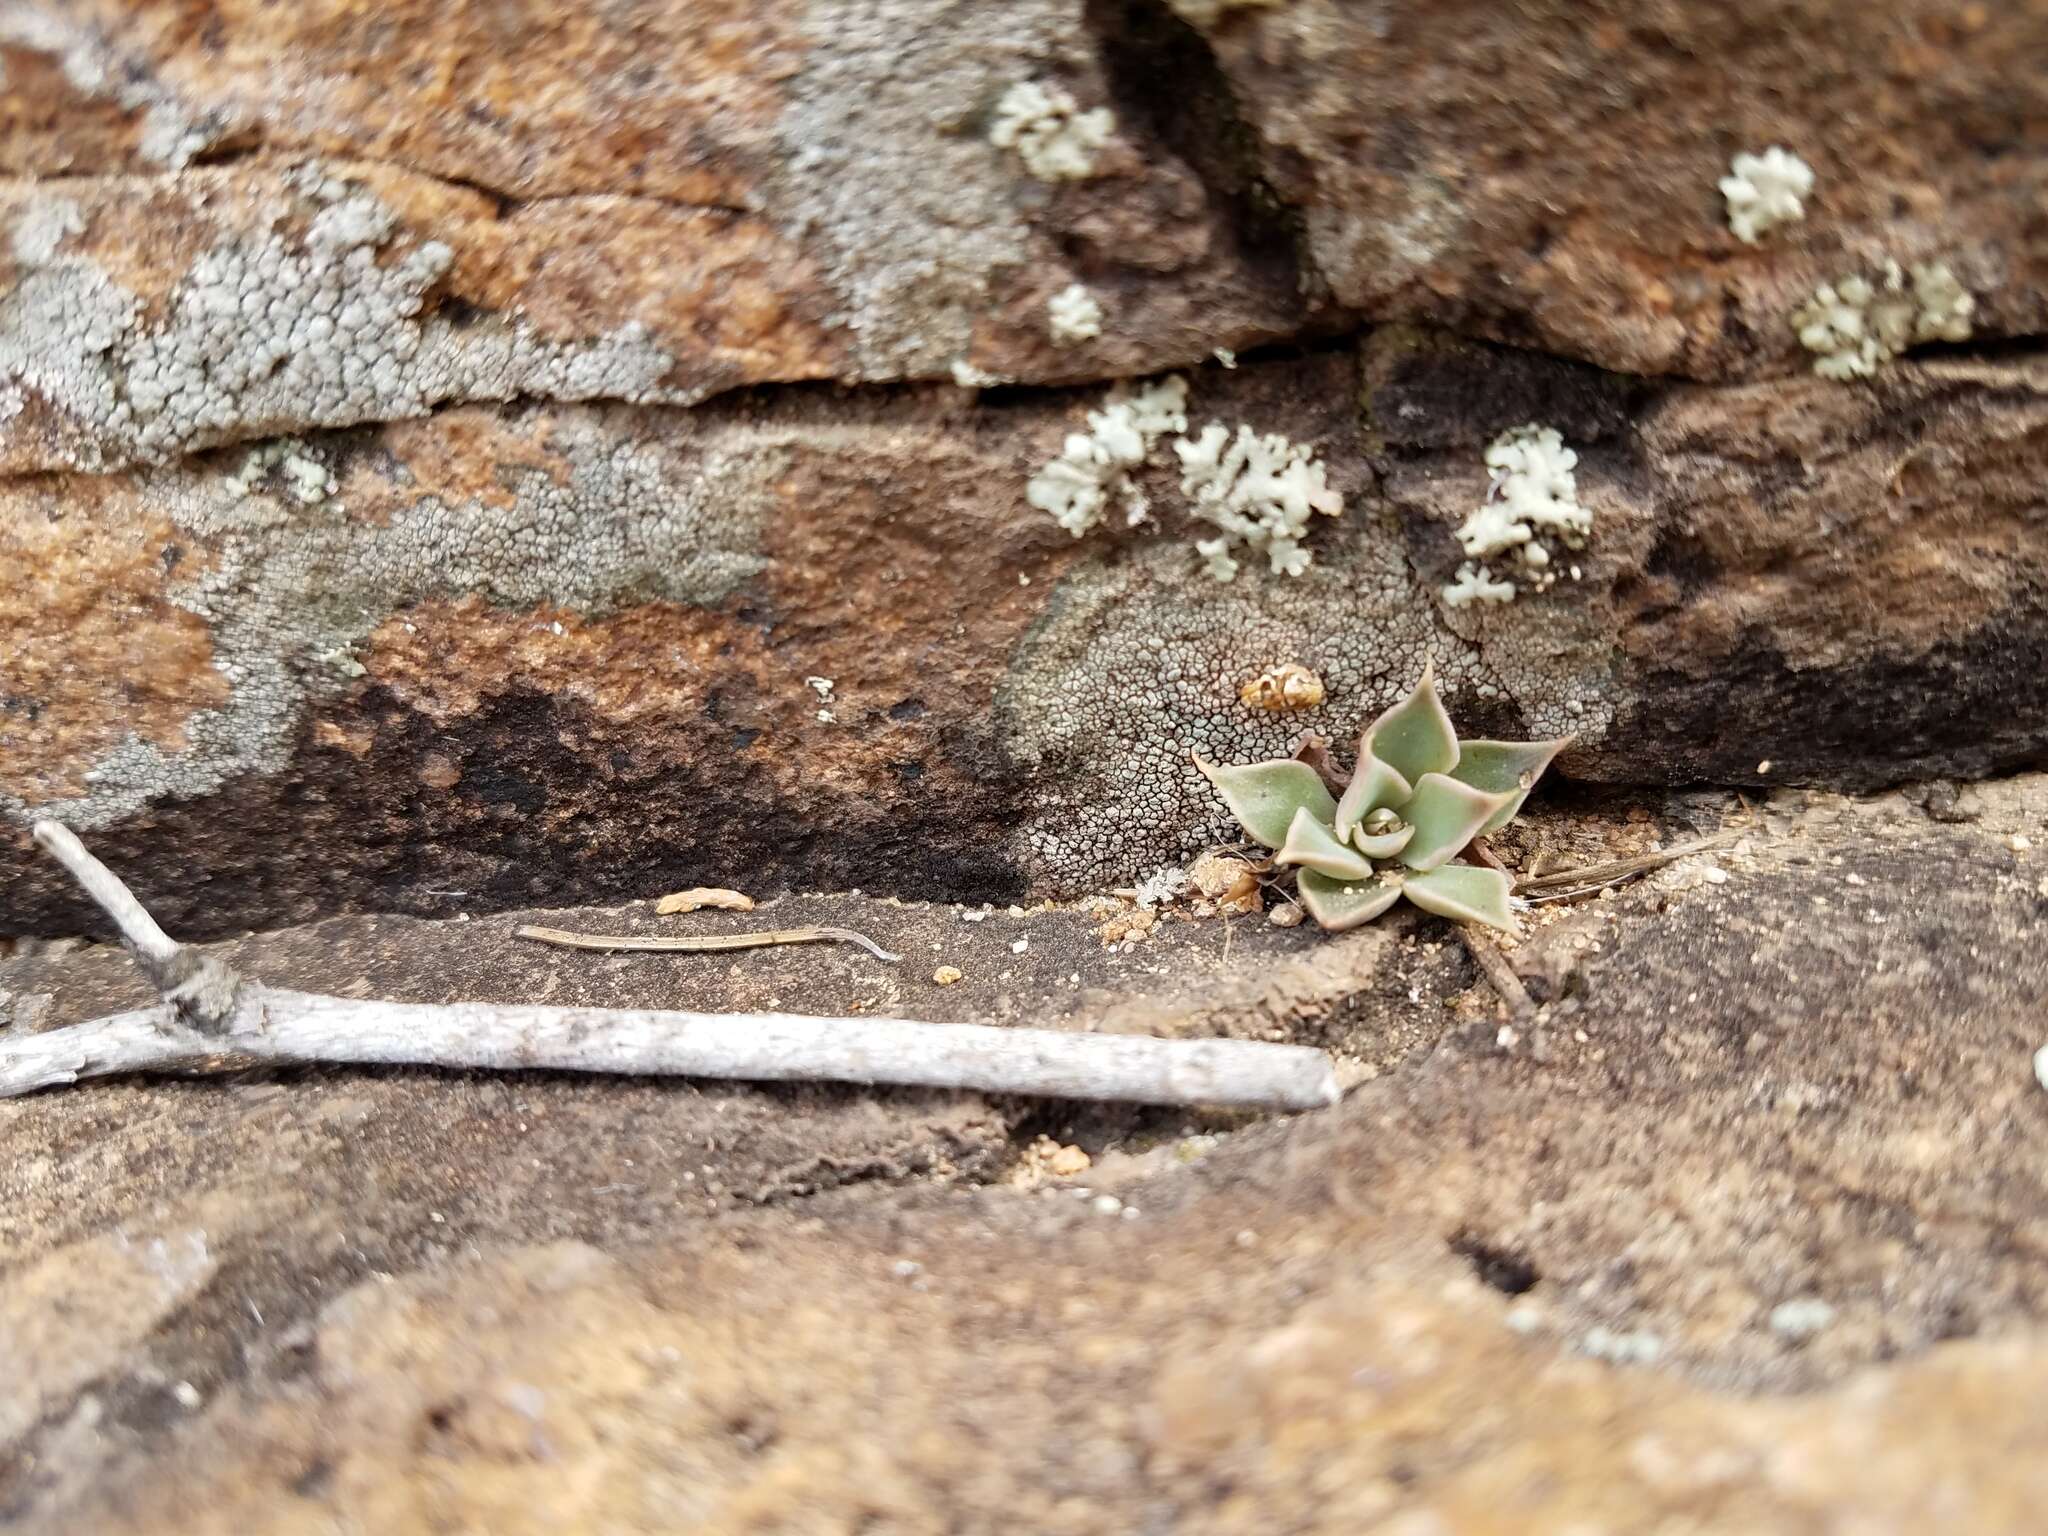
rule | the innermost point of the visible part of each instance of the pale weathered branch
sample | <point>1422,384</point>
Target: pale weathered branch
<point>269,1024</point>
<point>1592,877</point>
<point>698,943</point>
<point>193,982</point>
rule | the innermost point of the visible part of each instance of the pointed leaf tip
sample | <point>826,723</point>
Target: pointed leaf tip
<point>1505,767</point>
<point>1264,796</point>
<point>1312,845</point>
<point>1464,892</point>
<point>1415,736</point>
<point>1338,904</point>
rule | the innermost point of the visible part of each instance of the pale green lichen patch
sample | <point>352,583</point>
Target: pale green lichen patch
<point>170,132</point>
<point>290,583</point>
<point>310,308</point>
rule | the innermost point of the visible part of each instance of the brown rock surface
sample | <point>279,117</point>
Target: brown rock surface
<point>1546,174</point>
<point>370,325</point>
<point>463,458</point>
<point>1522,1278</point>
<point>658,204</point>
<point>577,653</point>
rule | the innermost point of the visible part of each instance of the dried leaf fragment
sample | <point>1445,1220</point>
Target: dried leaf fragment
<point>1286,686</point>
<point>703,896</point>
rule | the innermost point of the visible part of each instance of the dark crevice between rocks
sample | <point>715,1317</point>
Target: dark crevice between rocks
<point>1986,349</point>
<point>1968,708</point>
<point>1428,391</point>
<point>1167,86</point>
<point>1510,1273</point>
<point>531,821</point>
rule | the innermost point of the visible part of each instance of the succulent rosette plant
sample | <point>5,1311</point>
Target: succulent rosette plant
<point>1414,802</point>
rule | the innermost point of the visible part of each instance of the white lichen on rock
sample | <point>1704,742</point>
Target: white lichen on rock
<point>1094,467</point>
<point>1474,584</point>
<point>1056,140</point>
<point>273,327</point>
<point>1260,490</point>
<point>967,376</point>
<point>307,479</point>
<point>43,228</point>
<point>1073,315</point>
<point>1206,13</point>
<point>290,584</point>
<point>1857,324</point>
<point>1764,191</point>
<point>1161,887</point>
<point>1532,504</point>
<point>171,132</point>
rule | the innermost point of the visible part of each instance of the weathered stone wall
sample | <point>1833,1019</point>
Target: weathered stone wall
<point>442,446</point>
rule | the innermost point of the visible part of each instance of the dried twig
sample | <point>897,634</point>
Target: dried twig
<point>209,1014</point>
<point>1495,967</point>
<point>677,945</point>
<point>1593,877</point>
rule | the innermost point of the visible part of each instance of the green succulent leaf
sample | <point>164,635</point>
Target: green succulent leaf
<point>1465,892</point>
<point>1265,796</point>
<point>1446,816</point>
<point>1502,766</point>
<point>1415,736</point>
<point>1373,785</point>
<point>1311,844</point>
<point>1340,904</point>
<point>1382,845</point>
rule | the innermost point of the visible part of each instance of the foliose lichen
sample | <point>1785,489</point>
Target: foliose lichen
<point>1858,324</point>
<point>1764,191</point>
<point>1259,489</point>
<point>1531,510</point>
<point>1074,315</point>
<point>1055,139</point>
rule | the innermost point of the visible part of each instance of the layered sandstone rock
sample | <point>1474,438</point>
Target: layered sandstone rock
<point>594,649</point>
<point>437,462</point>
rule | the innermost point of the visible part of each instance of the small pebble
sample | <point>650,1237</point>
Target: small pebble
<point>1764,766</point>
<point>1285,915</point>
<point>1801,1318</point>
<point>1020,946</point>
<point>1107,1205</point>
<point>1716,875</point>
<point>905,1269</point>
<point>2041,1066</point>
<point>1066,1162</point>
<point>187,1395</point>
<point>946,975</point>
<point>1621,1348</point>
<point>2021,842</point>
